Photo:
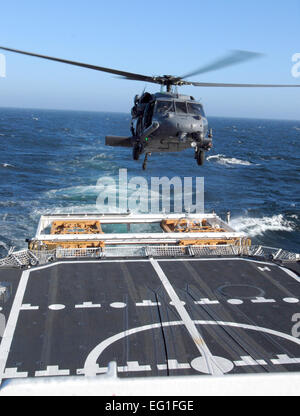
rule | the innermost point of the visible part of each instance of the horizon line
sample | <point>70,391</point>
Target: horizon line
<point>125,113</point>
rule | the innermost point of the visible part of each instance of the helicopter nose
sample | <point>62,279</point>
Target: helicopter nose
<point>169,124</point>
<point>190,126</point>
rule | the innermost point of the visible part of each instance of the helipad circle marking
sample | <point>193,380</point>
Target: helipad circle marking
<point>91,366</point>
<point>200,364</point>
<point>242,291</point>
<point>56,307</point>
<point>291,300</point>
<point>118,305</point>
<point>235,301</point>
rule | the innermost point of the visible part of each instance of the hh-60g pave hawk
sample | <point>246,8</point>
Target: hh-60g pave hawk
<point>167,121</point>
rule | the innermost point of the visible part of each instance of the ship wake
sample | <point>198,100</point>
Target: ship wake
<point>224,160</point>
<point>259,226</point>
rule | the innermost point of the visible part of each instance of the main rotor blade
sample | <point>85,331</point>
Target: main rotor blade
<point>234,58</point>
<point>217,84</point>
<point>128,75</point>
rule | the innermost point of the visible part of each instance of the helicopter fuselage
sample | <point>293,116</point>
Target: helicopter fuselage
<point>169,122</point>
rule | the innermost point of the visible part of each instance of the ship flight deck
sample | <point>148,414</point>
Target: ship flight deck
<point>152,316</point>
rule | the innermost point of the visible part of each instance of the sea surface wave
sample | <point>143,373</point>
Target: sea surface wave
<point>51,161</point>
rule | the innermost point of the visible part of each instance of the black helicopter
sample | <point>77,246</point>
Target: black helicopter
<point>167,121</point>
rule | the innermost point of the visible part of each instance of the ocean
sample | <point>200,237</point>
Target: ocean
<point>51,162</point>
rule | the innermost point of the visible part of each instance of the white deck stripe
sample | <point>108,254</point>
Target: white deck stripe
<point>212,365</point>
<point>52,370</point>
<point>46,266</point>
<point>247,360</point>
<point>219,259</point>
<point>101,261</point>
<point>173,365</point>
<point>285,359</point>
<point>290,273</point>
<point>12,322</point>
<point>14,373</point>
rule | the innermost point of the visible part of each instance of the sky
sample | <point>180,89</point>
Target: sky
<point>153,38</point>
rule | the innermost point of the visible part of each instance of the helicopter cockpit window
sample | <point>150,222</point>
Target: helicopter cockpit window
<point>180,107</point>
<point>164,106</point>
<point>195,109</point>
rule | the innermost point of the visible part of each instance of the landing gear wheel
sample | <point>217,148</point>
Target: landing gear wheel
<point>200,157</point>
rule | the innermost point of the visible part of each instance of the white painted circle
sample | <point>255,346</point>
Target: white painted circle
<point>220,363</point>
<point>235,301</point>
<point>118,305</point>
<point>291,300</point>
<point>90,363</point>
<point>56,307</point>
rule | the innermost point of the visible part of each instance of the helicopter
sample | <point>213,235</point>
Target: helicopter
<point>167,121</point>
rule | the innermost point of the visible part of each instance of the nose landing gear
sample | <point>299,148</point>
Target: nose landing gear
<point>137,149</point>
<point>200,156</point>
<point>206,145</point>
<point>146,160</point>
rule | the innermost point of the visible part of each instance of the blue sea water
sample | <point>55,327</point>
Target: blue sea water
<point>50,161</point>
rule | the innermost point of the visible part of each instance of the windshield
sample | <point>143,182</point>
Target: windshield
<point>164,106</point>
<point>180,107</point>
<point>196,109</point>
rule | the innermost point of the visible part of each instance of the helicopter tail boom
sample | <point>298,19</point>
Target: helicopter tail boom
<point>118,141</point>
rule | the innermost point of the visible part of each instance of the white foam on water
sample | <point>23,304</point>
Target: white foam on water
<point>5,246</point>
<point>6,165</point>
<point>73,209</point>
<point>138,201</point>
<point>102,156</point>
<point>258,226</point>
<point>223,160</point>
<point>79,190</point>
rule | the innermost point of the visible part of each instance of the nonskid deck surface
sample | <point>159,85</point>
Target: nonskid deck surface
<point>152,317</point>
